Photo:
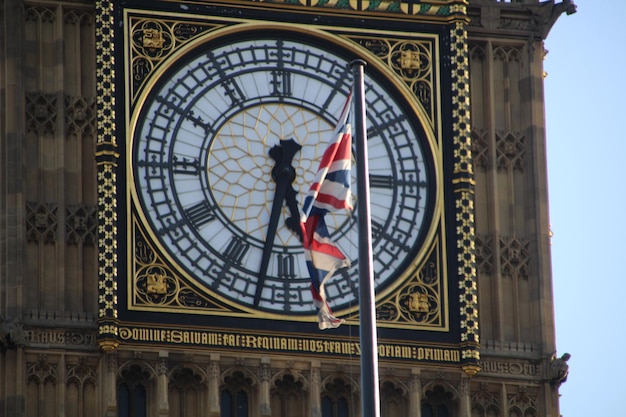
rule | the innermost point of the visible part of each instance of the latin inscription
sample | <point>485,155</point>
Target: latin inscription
<point>284,344</point>
<point>510,368</point>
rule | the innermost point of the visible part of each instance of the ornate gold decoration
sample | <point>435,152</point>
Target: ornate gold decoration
<point>412,61</point>
<point>420,301</point>
<point>425,8</point>
<point>153,40</point>
<point>463,180</point>
<point>106,158</point>
<point>156,284</point>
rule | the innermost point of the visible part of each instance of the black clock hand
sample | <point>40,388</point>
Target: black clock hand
<point>283,175</point>
<point>293,221</point>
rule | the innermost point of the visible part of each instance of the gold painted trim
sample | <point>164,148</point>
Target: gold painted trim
<point>463,176</point>
<point>340,37</point>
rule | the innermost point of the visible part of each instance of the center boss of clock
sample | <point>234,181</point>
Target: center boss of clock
<point>225,144</point>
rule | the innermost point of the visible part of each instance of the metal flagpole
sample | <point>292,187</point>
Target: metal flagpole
<point>370,395</point>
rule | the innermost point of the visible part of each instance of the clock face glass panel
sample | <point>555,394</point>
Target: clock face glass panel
<point>201,170</point>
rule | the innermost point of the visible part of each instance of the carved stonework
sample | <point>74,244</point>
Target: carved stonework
<point>485,403</point>
<point>41,372</point>
<point>81,374</point>
<point>522,404</point>
<point>510,150</point>
<point>161,367</point>
<point>77,17</point>
<point>81,224</point>
<point>484,255</point>
<point>185,379</point>
<point>480,148</point>
<point>80,115</point>
<point>336,388</point>
<point>41,113</point>
<point>237,381</point>
<point>288,386</point>
<point>514,257</point>
<point>264,373</point>
<point>41,222</point>
<point>53,337</point>
<point>134,374</point>
<point>40,14</point>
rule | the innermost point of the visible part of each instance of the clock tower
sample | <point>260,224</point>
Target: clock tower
<point>156,155</point>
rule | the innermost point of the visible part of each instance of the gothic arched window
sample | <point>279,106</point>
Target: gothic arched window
<point>131,392</point>
<point>234,395</point>
<point>288,397</point>
<point>437,403</point>
<point>336,399</point>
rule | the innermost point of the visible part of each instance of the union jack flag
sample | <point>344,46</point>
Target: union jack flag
<point>329,192</point>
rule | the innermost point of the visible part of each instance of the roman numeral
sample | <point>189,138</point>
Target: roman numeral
<point>200,214</point>
<point>281,83</point>
<point>286,266</point>
<point>185,166</point>
<point>236,250</point>
<point>381,181</point>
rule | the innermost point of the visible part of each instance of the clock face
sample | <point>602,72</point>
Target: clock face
<point>201,169</point>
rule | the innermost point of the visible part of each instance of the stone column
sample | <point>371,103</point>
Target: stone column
<point>108,365</point>
<point>505,401</point>
<point>415,394</point>
<point>162,393</point>
<point>61,381</point>
<point>465,406</point>
<point>315,395</point>
<point>264,392</point>
<point>213,386</point>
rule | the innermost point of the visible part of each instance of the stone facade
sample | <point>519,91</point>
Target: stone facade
<point>51,362</point>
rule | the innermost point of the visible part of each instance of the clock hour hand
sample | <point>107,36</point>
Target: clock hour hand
<point>293,221</point>
<point>283,175</point>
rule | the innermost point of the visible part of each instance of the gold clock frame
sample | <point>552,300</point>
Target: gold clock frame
<point>400,309</point>
<point>462,178</point>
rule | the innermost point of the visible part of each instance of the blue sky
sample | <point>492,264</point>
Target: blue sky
<point>585,93</point>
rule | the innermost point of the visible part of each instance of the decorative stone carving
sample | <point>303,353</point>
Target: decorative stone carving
<point>485,403</point>
<point>81,374</point>
<point>81,224</point>
<point>80,115</point>
<point>480,148</point>
<point>484,254</point>
<point>558,370</point>
<point>41,222</point>
<point>514,257</point>
<point>41,113</point>
<point>41,372</point>
<point>522,404</point>
<point>510,150</point>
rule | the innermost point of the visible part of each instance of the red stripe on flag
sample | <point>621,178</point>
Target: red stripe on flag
<point>326,248</point>
<point>338,203</point>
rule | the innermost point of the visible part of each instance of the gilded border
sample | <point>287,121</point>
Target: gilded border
<point>463,185</point>
<point>425,8</point>
<point>107,160</point>
<point>418,304</point>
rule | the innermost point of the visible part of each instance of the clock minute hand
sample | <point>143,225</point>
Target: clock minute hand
<point>283,175</point>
